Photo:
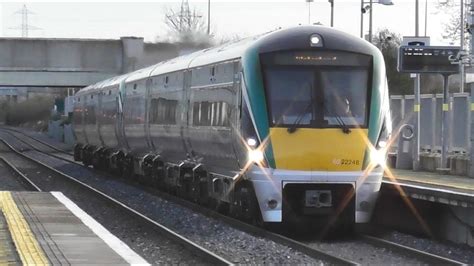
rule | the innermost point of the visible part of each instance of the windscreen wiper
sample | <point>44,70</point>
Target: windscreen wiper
<point>294,127</point>
<point>339,120</point>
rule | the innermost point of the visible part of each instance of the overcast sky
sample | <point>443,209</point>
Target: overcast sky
<point>112,19</point>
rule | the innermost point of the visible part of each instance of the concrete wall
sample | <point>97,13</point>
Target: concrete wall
<point>61,55</point>
<point>76,62</point>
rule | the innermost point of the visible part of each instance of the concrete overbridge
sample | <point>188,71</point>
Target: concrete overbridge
<point>41,62</point>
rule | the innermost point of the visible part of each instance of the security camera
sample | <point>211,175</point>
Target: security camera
<point>365,9</point>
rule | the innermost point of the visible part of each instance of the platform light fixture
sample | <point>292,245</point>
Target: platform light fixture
<point>369,8</point>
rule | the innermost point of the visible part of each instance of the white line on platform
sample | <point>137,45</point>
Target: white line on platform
<point>112,241</point>
<point>447,191</point>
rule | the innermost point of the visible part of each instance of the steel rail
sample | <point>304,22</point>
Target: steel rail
<point>422,255</point>
<point>35,148</point>
<point>18,173</point>
<point>254,230</point>
<point>188,244</point>
<point>304,248</point>
<point>8,130</point>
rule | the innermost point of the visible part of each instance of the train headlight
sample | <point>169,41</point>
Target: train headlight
<point>377,157</point>
<point>256,156</point>
<point>252,142</point>
<point>315,41</point>
<point>382,144</point>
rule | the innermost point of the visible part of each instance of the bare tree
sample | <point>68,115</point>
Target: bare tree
<point>452,27</point>
<point>388,42</point>
<point>186,25</point>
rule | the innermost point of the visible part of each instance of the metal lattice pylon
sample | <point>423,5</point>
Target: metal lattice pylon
<point>24,26</point>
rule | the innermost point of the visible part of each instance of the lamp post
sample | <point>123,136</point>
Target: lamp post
<point>461,66</point>
<point>208,17</point>
<point>332,12</point>
<point>363,10</point>
<point>309,10</point>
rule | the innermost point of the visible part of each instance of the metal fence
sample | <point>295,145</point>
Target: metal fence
<point>430,111</point>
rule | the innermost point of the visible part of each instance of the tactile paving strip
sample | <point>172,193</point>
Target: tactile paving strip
<point>50,248</point>
<point>8,255</point>
<point>26,244</point>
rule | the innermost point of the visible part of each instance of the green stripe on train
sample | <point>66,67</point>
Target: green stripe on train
<point>254,81</point>
<point>378,84</point>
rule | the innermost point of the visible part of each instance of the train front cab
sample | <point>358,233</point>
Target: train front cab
<point>318,114</point>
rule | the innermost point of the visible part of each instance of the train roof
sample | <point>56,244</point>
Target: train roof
<point>223,52</point>
<point>275,40</point>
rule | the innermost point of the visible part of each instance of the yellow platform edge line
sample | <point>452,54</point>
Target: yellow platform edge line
<point>28,248</point>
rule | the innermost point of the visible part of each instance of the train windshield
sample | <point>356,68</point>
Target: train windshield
<point>323,90</point>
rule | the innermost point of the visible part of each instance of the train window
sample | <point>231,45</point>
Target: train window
<point>92,96</point>
<point>163,111</point>
<point>134,110</point>
<point>166,80</point>
<point>110,92</point>
<point>213,71</point>
<point>90,115</point>
<point>211,114</point>
<point>134,86</point>
<point>317,98</point>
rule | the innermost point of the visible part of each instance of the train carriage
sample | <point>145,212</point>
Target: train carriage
<point>286,126</point>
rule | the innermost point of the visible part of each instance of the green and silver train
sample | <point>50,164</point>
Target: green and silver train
<point>286,126</point>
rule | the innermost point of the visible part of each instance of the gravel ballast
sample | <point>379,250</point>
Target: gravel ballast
<point>143,239</point>
<point>224,240</point>
<point>364,253</point>
<point>9,181</point>
<point>462,253</point>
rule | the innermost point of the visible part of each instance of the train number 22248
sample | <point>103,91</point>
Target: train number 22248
<point>345,162</point>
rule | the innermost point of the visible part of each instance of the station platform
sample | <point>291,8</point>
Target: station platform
<point>435,187</point>
<point>41,228</point>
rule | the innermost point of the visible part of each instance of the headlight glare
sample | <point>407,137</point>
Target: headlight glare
<point>256,156</point>
<point>377,157</point>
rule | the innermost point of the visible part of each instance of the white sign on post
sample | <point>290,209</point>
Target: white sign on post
<point>422,41</point>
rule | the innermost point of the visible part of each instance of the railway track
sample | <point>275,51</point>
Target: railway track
<point>27,141</point>
<point>138,219</point>
<point>18,181</point>
<point>314,249</point>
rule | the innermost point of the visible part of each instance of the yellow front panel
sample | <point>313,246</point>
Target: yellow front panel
<point>313,149</point>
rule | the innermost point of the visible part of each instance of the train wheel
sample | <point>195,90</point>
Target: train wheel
<point>78,152</point>
<point>127,166</point>
<point>244,205</point>
<point>158,173</point>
